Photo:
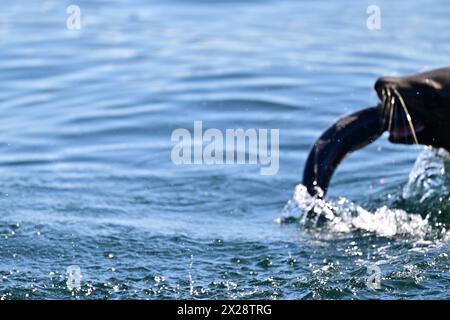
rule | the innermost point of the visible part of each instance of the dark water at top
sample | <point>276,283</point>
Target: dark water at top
<point>86,176</point>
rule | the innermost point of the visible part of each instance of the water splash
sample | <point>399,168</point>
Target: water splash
<point>344,216</point>
<point>429,179</point>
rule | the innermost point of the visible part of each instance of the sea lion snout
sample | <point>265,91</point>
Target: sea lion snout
<point>385,82</point>
<point>386,86</point>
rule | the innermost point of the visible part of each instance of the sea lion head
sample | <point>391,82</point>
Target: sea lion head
<point>416,108</point>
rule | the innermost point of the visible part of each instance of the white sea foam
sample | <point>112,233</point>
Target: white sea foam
<point>344,216</point>
<point>428,184</point>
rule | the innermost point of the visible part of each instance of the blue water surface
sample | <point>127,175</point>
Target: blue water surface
<point>86,176</point>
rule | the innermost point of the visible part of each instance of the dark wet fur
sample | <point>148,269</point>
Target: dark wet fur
<point>414,109</point>
<point>346,135</point>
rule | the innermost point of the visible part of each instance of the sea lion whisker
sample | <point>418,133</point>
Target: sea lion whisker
<point>408,115</point>
<point>403,124</point>
<point>389,108</point>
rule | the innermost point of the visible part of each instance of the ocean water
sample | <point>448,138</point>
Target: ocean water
<point>86,176</point>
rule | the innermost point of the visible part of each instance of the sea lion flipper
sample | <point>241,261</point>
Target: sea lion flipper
<point>348,134</point>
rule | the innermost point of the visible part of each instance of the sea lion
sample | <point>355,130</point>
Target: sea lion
<point>413,109</point>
